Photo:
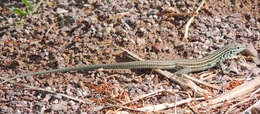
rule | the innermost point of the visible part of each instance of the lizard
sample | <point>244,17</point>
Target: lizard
<point>181,66</point>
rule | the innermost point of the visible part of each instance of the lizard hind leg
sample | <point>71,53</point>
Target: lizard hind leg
<point>181,70</point>
<point>223,68</point>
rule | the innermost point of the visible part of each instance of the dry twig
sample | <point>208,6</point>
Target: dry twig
<point>257,104</point>
<point>239,103</point>
<point>167,105</point>
<point>86,101</point>
<point>201,82</point>
<point>239,91</point>
<point>144,96</point>
<point>186,34</point>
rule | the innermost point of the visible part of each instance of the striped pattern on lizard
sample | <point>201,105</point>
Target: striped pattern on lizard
<point>181,66</point>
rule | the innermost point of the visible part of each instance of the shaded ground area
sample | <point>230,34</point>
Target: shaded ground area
<point>67,33</point>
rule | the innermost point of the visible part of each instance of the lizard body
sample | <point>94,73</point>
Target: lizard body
<point>181,66</point>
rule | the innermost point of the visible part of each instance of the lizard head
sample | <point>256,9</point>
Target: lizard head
<point>233,49</point>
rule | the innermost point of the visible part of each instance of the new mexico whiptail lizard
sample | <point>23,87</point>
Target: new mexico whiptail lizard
<point>181,66</point>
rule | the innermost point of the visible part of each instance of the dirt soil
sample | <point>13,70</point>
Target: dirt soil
<point>66,33</point>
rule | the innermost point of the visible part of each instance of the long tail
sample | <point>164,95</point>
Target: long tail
<point>124,65</point>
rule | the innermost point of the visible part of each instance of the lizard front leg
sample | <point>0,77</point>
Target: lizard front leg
<point>223,68</point>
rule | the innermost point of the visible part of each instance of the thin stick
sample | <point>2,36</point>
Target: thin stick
<point>237,92</point>
<point>50,29</point>
<point>254,105</point>
<point>121,106</point>
<point>144,96</point>
<point>239,103</point>
<point>187,26</point>
<point>86,101</point>
<point>167,105</point>
<point>202,82</point>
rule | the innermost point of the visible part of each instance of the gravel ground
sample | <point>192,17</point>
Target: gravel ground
<point>65,33</point>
